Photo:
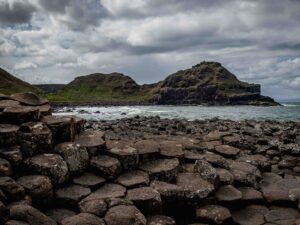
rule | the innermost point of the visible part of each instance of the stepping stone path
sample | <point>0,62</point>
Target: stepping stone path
<point>144,171</point>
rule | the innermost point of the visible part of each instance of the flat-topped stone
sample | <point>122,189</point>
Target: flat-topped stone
<point>146,148</point>
<point>227,151</point>
<point>168,191</point>
<point>194,186</point>
<point>128,156</point>
<point>106,166</point>
<point>249,194</point>
<point>124,215</point>
<point>29,99</point>
<point>244,173</point>
<point>108,191</point>
<point>95,206</point>
<point>30,215</point>
<point>21,114</point>
<point>171,149</point>
<point>83,219</point>
<point>8,103</point>
<point>282,215</point>
<point>225,177</point>
<point>278,190</point>
<point>58,214</point>
<point>146,199</point>
<point>51,165</point>
<point>213,214</point>
<point>228,193</point>
<point>45,110</point>
<point>75,155</point>
<point>160,220</point>
<point>13,154</point>
<point>250,215</point>
<point>92,140</point>
<point>8,134</point>
<point>161,169</point>
<point>90,180</point>
<point>38,187</point>
<point>62,128</point>
<point>70,195</point>
<point>5,168</point>
<point>134,178</point>
<point>35,138</point>
<point>11,189</point>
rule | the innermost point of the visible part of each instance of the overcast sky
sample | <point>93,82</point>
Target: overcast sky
<point>53,41</point>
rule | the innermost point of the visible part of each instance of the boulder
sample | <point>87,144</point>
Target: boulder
<point>30,215</point>
<point>51,165</point>
<point>213,214</point>
<point>133,179</point>
<point>21,114</point>
<point>128,157</point>
<point>94,141</point>
<point>83,219</point>
<point>11,189</point>
<point>124,215</point>
<point>70,195</point>
<point>228,193</point>
<point>194,186</point>
<point>90,180</point>
<point>5,168</point>
<point>160,220</point>
<point>38,187</point>
<point>106,166</point>
<point>8,134</point>
<point>161,169</point>
<point>75,155</point>
<point>28,99</point>
<point>35,138</point>
<point>145,199</point>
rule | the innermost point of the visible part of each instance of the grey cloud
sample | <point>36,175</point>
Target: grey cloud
<point>54,5</point>
<point>17,12</point>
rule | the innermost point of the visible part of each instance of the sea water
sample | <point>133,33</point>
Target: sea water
<point>289,111</point>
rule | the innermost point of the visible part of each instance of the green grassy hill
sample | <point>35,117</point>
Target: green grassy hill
<point>101,88</point>
<point>10,84</point>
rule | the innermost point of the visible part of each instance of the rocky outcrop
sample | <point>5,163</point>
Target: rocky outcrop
<point>148,171</point>
<point>208,83</point>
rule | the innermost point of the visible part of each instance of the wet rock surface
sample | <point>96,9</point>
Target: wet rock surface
<point>139,171</point>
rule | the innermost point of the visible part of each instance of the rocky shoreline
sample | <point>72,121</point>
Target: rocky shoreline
<point>144,171</point>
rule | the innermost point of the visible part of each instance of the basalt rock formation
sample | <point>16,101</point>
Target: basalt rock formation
<point>144,171</point>
<point>208,83</point>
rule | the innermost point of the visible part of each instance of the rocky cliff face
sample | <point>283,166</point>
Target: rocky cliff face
<point>208,83</point>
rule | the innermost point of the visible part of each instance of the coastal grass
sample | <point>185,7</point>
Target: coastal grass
<point>83,93</point>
